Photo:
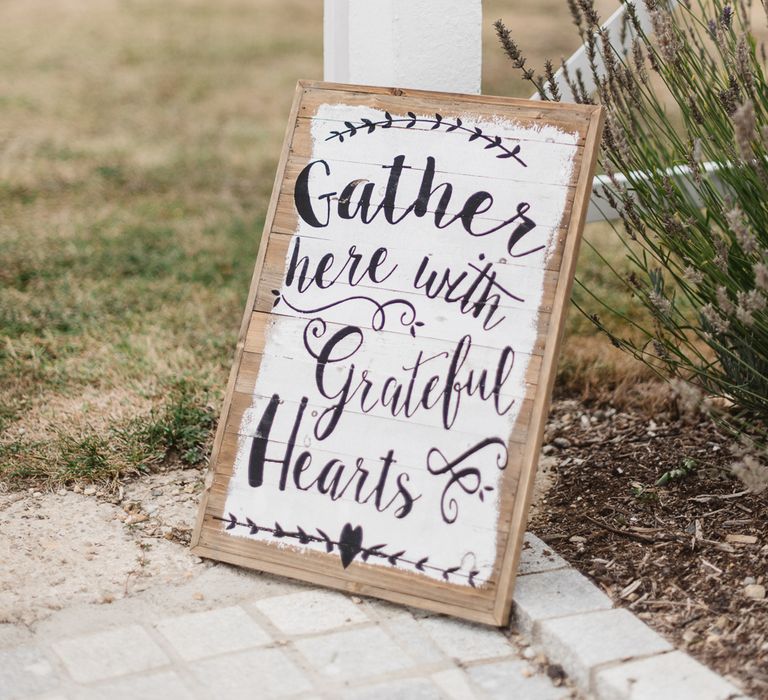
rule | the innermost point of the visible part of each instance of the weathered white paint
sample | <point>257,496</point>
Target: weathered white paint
<point>288,369</point>
<point>421,44</point>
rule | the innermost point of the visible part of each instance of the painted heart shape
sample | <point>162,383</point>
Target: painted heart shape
<point>350,543</point>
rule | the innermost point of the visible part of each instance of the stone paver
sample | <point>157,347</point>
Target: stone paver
<point>515,679</point>
<point>165,685</point>
<point>538,556</point>
<point>235,634</point>
<point>467,642</point>
<point>310,612</point>
<point>582,642</point>
<point>354,654</point>
<point>673,676</point>
<point>406,689</point>
<point>555,594</point>
<point>95,657</point>
<point>414,638</point>
<point>261,673</point>
<point>198,635</point>
<point>25,671</point>
<point>454,684</point>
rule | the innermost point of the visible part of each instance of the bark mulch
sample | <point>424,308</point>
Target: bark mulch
<point>689,557</point>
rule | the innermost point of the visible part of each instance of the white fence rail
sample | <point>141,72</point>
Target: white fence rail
<point>437,45</point>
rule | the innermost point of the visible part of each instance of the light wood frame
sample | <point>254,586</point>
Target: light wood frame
<point>491,605</point>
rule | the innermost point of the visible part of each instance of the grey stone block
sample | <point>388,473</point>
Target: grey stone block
<point>466,641</point>
<point>158,686</point>
<point>405,689</point>
<point>380,610</point>
<point>454,683</point>
<point>123,650</point>
<point>258,673</point>
<point>355,653</point>
<point>414,638</point>
<point>514,679</point>
<point>673,676</point>
<point>555,594</point>
<point>25,671</point>
<point>580,643</point>
<point>538,556</point>
<point>198,635</point>
<point>311,612</point>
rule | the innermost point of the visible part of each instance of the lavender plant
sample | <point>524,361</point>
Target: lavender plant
<point>687,99</point>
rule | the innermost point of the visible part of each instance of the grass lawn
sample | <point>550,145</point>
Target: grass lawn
<point>139,141</point>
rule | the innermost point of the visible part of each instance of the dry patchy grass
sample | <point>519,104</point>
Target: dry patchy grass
<point>139,142</point>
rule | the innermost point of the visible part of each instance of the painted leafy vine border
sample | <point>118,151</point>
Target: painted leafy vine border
<point>349,546</point>
<point>368,126</point>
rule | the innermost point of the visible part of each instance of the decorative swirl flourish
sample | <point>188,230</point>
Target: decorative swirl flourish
<point>379,317</point>
<point>468,479</point>
<point>368,126</point>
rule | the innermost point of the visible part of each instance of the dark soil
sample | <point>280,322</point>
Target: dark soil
<point>685,556</point>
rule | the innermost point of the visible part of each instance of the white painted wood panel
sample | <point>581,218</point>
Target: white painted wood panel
<point>333,355</point>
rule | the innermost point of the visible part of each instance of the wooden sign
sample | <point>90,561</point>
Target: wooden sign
<point>385,411</point>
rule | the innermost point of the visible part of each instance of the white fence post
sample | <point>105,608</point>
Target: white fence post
<point>423,44</point>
